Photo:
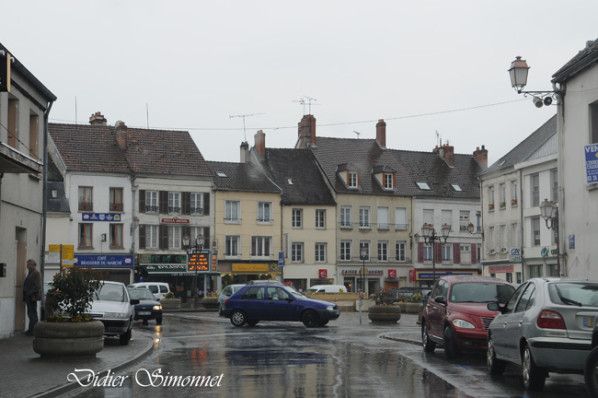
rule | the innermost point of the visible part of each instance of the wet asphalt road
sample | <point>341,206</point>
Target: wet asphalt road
<point>344,359</point>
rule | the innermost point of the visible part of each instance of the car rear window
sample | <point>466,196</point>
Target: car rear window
<point>574,293</point>
<point>163,289</point>
<point>110,292</point>
<point>141,294</point>
<point>480,292</point>
<point>153,288</point>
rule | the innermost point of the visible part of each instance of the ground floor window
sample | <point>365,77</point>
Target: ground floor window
<point>510,277</point>
<point>553,270</point>
<point>535,270</point>
<point>518,277</point>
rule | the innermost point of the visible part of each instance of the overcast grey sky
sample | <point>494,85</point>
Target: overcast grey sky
<point>197,62</point>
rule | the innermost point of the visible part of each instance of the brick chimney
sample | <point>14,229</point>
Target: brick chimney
<point>97,119</point>
<point>307,131</point>
<point>481,156</point>
<point>244,152</point>
<point>381,133</point>
<point>447,152</point>
<point>120,129</point>
<point>260,144</point>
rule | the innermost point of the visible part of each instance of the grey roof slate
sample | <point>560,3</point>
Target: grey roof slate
<point>525,148</point>
<point>93,148</point>
<point>364,155</point>
<point>58,204</point>
<point>582,60</point>
<point>307,185</point>
<point>241,177</point>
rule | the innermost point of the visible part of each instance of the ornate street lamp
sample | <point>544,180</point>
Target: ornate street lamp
<point>192,247</point>
<point>430,236</point>
<point>518,74</point>
<point>363,255</point>
<point>550,213</point>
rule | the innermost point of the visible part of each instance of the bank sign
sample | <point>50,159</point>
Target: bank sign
<point>101,261</point>
<point>591,163</point>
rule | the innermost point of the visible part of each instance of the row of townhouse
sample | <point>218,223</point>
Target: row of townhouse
<point>330,210</point>
<point>25,105</point>
<point>518,244</point>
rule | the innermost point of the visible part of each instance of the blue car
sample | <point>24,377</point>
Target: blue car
<point>276,302</point>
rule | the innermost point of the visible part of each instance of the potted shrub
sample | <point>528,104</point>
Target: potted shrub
<point>169,302</point>
<point>68,330</point>
<point>384,311</point>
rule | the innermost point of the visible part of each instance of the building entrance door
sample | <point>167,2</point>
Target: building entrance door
<point>20,278</point>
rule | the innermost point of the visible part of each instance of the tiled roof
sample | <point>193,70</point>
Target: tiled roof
<point>525,148</point>
<point>93,148</point>
<point>297,173</point>
<point>582,60</point>
<point>365,155</point>
<point>241,177</point>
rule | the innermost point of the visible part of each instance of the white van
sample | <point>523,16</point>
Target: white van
<point>158,289</point>
<point>327,289</point>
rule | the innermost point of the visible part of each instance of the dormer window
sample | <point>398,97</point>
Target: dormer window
<point>388,181</point>
<point>352,183</point>
<point>221,174</point>
<point>456,187</point>
<point>423,185</point>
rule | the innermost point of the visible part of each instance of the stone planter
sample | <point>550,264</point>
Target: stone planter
<point>209,303</point>
<point>68,338</point>
<point>170,304</point>
<point>384,313</point>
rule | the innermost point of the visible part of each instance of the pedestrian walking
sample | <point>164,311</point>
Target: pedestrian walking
<point>32,287</point>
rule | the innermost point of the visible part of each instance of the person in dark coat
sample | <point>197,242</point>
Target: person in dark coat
<point>32,290</point>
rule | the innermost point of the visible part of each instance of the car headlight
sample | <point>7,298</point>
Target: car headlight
<point>330,308</point>
<point>460,323</point>
<point>157,308</point>
<point>115,315</point>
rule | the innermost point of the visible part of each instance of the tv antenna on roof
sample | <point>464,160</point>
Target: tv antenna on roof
<point>243,116</point>
<point>357,133</point>
<point>306,101</point>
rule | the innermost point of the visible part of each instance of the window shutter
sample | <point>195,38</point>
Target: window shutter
<point>186,232</point>
<point>164,205</point>
<point>206,238</point>
<point>394,180</point>
<point>186,202</point>
<point>456,253</point>
<point>474,253</point>
<point>438,251</point>
<point>142,236</point>
<point>163,237</point>
<point>142,201</point>
<point>420,252</point>
<point>206,203</point>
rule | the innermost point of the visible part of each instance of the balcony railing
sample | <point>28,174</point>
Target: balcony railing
<point>116,207</point>
<point>401,227</point>
<point>85,206</point>
<point>151,209</point>
<point>172,209</point>
<point>197,210</point>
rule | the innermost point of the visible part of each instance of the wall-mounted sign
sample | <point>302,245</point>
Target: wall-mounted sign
<point>109,217</point>
<point>392,273</point>
<point>430,275</point>
<point>369,272</point>
<point>61,254</point>
<point>323,273</point>
<point>174,220</point>
<point>544,252</point>
<point>250,267</point>
<point>101,261</point>
<point>591,152</point>
<point>500,269</point>
<point>199,261</point>
<point>165,268</point>
<point>281,259</point>
<point>572,242</point>
<point>515,255</point>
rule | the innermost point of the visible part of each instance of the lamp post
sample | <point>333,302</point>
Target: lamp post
<point>550,214</point>
<point>363,255</point>
<point>192,248</point>
<point>430,236</point>
<point>518,74</point>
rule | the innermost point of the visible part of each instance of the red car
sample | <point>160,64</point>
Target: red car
<point>456,316</point>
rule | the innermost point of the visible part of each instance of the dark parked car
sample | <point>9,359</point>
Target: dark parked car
<point>456,316</point>
<point>148,308</point>
<point>276,302</point>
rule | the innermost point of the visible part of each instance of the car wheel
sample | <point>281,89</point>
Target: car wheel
<point>238,318</point>
<point>159,320</point>
<point>591,373</point>
<point>533,376</point>
<point>495,366</point>
<point>428,344</point>
<point>323,323</point>
<point>125,337</point>
<point>252,323</point>
<point>310,319</point>
<point>450,343</point>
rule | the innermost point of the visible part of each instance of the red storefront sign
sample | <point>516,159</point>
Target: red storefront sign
<point>174,220</point>
<point>499,269</point>
<point>412,275</point>
<point>392,274</point>
<point>323,273</point>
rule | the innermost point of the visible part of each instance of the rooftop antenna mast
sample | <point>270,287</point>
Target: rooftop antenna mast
<point>357,133</point>
<point>306,101</point>
<point>244,116</point>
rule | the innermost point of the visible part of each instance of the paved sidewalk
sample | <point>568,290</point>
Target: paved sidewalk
<point>23,373</point>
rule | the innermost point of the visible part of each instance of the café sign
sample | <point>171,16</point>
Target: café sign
<point>174,220</point>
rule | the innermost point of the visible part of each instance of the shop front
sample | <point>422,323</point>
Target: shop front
<point>302,277</point>
<point>508,272</point>
<point>113,267</point>
<point>355,281</point>
<point>425,277</point>
<point>243,272</point>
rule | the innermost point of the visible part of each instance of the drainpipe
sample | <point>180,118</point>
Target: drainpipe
<point>134,224</point>
<point>521,229</point>
<point>44,206</point>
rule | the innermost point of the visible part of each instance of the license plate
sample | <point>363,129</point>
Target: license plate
<point>588,321</point>
<point>145,313</point>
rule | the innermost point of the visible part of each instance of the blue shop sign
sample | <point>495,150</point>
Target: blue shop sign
<point>102,261</point>
<point>109,217</point>
<point>591,163</point>
<point>281,259</point>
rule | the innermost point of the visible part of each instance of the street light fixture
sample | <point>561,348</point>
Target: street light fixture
<point>518,74</point>
<point>430,236</point>
<point>192,247</point>
<point>363,255</point>
<point>550,213</point>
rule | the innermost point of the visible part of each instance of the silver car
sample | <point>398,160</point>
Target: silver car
<point>226,293</point>
<point>545,327</point>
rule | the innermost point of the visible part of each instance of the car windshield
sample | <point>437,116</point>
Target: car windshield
<point>578,294</point>
<point>477,292</point>
<point>141,294</point>
<point>110,292</point>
